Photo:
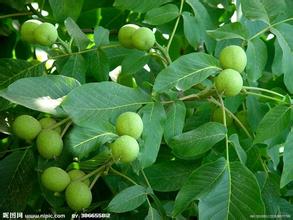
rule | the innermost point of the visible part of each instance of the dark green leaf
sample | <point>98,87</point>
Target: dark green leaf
<point>254,10</point>
<point>98,65</point>
<point>153,214</point>
<point>186,71</point>
<point>12,70</point>
<point>75,67</point>
<point>43,93</point>
<point>273,123</point>
<point>200,181</point>
<point>17,171</point>
<point>93,102</point>
<point>229,31</point>
<point>141,6</point>
<point>199,140</point>
<point>287,175</point>
<point>134,62</point>
<point>80,39</point>
<point>136,195</point>
<point>63,9</point>
<point>153,117</point>
<point>176,118</point>
<point>239,150</point>
<point>192,29</point>
<point>101,36</point>
<point>161,15</point>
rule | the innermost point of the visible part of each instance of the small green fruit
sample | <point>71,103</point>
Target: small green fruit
<point>143,39</point>
<point>218,117</point>
<point>45,34</point>
<point>125,35</point>
<point>26,127</point>
<point>77,174</point>
<point>233,57</point>
<point>229,82</point>
<point>27,30</point>
<point>55,179</point>
<point>49,144</point>
<point>78,196</point>
<point>125,149</point>
<point>129,123</point>
<point>49,122</point>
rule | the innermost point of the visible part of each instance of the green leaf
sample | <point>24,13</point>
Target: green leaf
<point>12,70</point>
<point>236,195</point>
<point>191,23</point>
<point>160,174</point>
<point>153,117</point>
<point>254,10</point>
<point>82,141</point>
<point>93,102</point>
<point>80,39</point>
<point>17,170</point>
<point>161,15</point>
<point>153,214</point>
<point>198,141</point>
<point>273,123</point>
<point>63,9</point>
<point>186,71</point>
<point>176,118</point>
<point>229,31</point>
<point>44,93</point>
<point>287,174</point>
<point>200,181</point>
<point>239,150</point>
<point>134,61</point>
<point>96,161</point>
<point>257,56</point>
<point>75,67</point>
<point>141,6</point>
<point>136,195</point>
<point>283,33</point>
<point>101,36</point>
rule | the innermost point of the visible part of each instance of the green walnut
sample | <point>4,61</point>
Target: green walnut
<point>55,179</point>
<point>77,174</point>
<point>125,149</point>
<point>49,122</point>
<point>229,82</point>
<point>45,34</point>
<point>27,30</point>
<point>49,144</point>
<point>78,196</point>
<point>129,123</point>
<point>143,39</point>
<point>218,117</point>
<point>125,35</point>
<point>233,57</point>
<point>26,127</point>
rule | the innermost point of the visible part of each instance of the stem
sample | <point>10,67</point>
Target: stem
<point>263,90</point>
<point>232,115</point>
<point>95,180</point>
<point>175,27</point>
<point>66,128</point>
<point>65,45</point>
<point>98,170</point>
<point>164,61</point>
<point>15,15</point>
<point>268,27</point>
<point>59,123</point>
<point>164,52</point>
<point>122,175</point>
<point>146,179</point>
<point>225,124</point>
<point>264,96</point>
<point>16,149</point>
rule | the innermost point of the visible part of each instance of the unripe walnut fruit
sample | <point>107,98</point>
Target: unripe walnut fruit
<point>125,149</point>
<point>26,127</point>
<point>125,35</point>
<point>233,57</point>
<point>49,122</point>
<point>77,174</point>
<point>78,196</point>
<point>49,144</point>
<point>45,34</point>
<point>55,179</point>
<point>229,82</point>
<point>27,30</point>
<point>129,123</point>
<point>143,39</point>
